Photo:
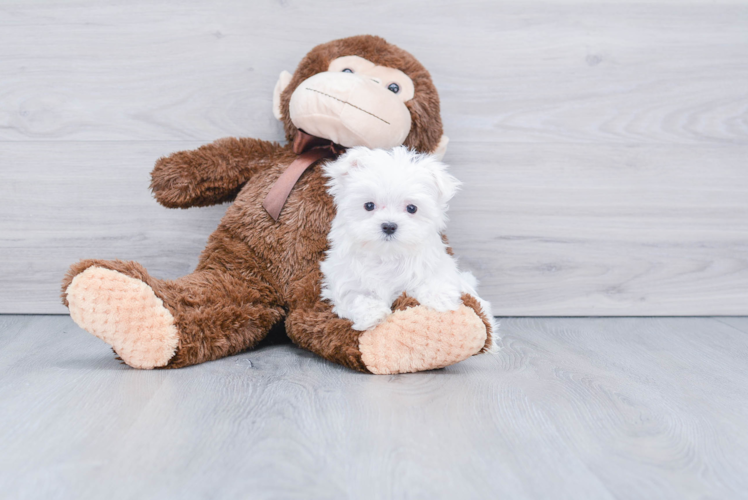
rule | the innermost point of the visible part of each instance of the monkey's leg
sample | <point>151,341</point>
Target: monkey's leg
<point>152,323</point>
<point>411,339</point>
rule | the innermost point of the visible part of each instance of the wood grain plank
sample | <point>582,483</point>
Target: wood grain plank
<point>569,408</point>
<point>604,230</point>
<point>66,201</point>
<point>604,142</point>
<point>737,322</point>
<point>506,71</point>
<point>549,230</point>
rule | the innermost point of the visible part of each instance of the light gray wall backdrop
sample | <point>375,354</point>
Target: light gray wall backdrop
<point>603,145</point>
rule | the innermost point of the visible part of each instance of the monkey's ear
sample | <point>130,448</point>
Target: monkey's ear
<point>441,148</point>
<point>283,80</point>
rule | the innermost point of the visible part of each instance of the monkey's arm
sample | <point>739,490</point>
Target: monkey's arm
<point>210,174</point>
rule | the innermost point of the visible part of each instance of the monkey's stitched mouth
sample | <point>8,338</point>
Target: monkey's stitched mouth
<point>349,104</point>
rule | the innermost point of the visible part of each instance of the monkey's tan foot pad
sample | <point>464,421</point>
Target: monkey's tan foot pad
<point>126,314</point>
<point>419,339</point>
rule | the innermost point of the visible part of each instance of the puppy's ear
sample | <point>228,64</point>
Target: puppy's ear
<point>446,184</point>
<point>351,159</point>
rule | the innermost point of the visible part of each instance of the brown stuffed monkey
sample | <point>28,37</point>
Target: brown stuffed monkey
<point>259,269</point>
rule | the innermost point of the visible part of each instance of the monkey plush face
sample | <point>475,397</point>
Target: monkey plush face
<point>362,91</point>
<point>354,102</point>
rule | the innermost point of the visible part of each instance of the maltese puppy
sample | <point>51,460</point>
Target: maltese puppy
<point>386,237</point>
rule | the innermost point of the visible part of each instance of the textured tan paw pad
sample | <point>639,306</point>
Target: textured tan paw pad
<point>418,339</point>
<point>126,314</point>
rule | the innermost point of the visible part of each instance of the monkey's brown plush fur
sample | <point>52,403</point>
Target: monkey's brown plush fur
<point>256,272</point>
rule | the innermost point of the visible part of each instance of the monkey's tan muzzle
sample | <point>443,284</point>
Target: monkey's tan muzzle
<point>350,110</point>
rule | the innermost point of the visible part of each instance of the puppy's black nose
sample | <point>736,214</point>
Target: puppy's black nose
<point>389,227</point>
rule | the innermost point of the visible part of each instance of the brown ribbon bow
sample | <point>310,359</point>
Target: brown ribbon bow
<point>310,149</point>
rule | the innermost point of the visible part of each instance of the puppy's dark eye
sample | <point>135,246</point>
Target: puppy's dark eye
<point>347,70</point>
<point>411,209</point>
<point>393,87</point>
<point>368,206</point>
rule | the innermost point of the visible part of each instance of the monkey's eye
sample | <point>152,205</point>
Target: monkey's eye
<point>347,70</point>
<point>369,206</point>
<point>393,87</point>
<point>411,209</point>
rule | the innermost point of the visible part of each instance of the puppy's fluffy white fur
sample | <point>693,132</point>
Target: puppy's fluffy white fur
<point>366,268</point>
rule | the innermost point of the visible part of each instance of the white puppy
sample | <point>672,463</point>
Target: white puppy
<point>386,236</point>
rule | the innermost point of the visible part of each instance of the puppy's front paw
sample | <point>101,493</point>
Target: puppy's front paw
<point>366,320</point>
<point>440,300</point>
<point>366,312</point>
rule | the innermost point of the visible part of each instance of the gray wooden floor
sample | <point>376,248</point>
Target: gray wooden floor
<point>570,408</point>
